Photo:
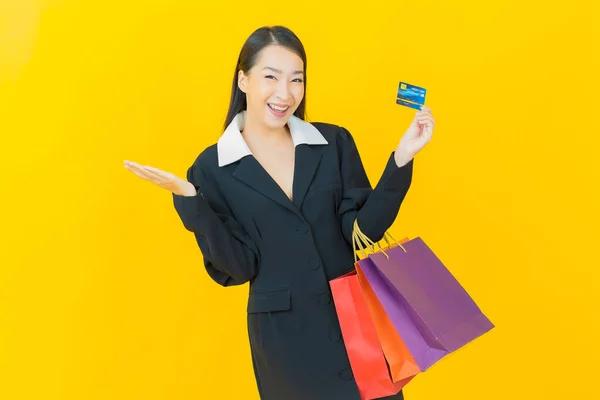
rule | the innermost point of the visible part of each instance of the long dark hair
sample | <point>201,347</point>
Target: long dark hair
<point>258,40</point>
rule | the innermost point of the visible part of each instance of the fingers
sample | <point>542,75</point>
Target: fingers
<point>165,177</point>
<point>428,120</point>
<point>149,169</point>
<point>143,172</point>
<point>137,167</point>
<point>425,119</point>
<point>132,164</point>
<point>424,111</point>
<point>153,172</point>
<point>424,116</point>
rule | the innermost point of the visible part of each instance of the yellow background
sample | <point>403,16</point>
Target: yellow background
<point>102,291</point>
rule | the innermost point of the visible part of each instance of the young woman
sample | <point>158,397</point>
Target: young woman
<point>273,202</point>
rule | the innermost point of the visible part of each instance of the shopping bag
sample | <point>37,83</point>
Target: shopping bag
<point>364,350</point>
<point>403,368</point>
<point>431,311</point>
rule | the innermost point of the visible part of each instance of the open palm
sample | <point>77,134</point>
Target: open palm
<point>164,179</point>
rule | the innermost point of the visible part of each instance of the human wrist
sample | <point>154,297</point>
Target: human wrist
<point>401,159</point>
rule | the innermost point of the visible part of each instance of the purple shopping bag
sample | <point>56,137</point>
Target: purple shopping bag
<point>431,311</point>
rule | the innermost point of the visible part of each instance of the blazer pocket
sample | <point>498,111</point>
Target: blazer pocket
<point>269,301</point>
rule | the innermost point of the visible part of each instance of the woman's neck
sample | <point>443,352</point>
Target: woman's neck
<point>261,132</point>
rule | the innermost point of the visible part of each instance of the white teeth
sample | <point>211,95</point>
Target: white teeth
<point>277,108</point>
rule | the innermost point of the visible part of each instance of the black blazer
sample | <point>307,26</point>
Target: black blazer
<point>249,231</point>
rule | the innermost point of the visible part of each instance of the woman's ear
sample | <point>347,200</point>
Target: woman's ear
<point>242,81</point>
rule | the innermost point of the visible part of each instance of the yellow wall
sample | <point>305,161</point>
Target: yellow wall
<point>102,291</point>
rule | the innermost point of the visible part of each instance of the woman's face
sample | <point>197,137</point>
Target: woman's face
<point>274,87</point>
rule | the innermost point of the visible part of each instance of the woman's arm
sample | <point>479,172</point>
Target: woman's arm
<point>230,256</point>
<point>376,209</point>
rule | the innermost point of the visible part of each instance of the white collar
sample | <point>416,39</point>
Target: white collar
<point>231,145</point>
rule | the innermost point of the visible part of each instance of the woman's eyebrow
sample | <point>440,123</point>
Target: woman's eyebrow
<point>280,71</point>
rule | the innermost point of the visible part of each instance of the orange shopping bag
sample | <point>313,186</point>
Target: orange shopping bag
<point>403,368</point>
<point>364,350</point>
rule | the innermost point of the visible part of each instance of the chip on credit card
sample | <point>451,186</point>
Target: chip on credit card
<point>410,95</point>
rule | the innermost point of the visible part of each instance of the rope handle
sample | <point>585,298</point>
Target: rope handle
<point>361,242</point>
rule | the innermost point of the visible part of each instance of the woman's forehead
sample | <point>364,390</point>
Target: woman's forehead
<point>278,59</point>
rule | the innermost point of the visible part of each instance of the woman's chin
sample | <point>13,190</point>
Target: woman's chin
<point>274,120</point>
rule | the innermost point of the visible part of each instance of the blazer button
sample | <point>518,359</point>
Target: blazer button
<point>325,298</point>
<point>346,374</point>
<point>302,229</point>
<point>314,263</point>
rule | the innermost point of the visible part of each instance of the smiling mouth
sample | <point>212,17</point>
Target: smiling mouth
<point>278,108</point>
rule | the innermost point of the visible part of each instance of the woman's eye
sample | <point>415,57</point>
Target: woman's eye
<point>299,80</point>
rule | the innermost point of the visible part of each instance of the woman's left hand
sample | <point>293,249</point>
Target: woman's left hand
<point>417,135</point>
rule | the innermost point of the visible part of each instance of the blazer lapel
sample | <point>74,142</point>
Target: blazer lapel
<point>307,162</point>
<point>255,176</point>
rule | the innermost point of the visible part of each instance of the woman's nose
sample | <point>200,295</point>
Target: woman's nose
<point>283,91</point>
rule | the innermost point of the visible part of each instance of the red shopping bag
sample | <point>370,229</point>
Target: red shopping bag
<point>402,365</point>
<point>364,349</point>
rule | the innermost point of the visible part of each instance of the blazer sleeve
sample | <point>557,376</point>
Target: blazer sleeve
<point>230,256</point>
<point>375,209</point>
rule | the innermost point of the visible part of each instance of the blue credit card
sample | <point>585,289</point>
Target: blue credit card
<point>408,104</point>
<point>410,95</point>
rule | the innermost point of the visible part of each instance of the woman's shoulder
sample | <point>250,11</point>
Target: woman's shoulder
<point>206,158</point>
<point>334,133</point>
<point>203,164</point>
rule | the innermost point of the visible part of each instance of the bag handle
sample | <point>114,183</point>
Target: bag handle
<point>361,241</point>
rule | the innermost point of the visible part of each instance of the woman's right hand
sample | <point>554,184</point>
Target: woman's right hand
<point>163,179</point>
